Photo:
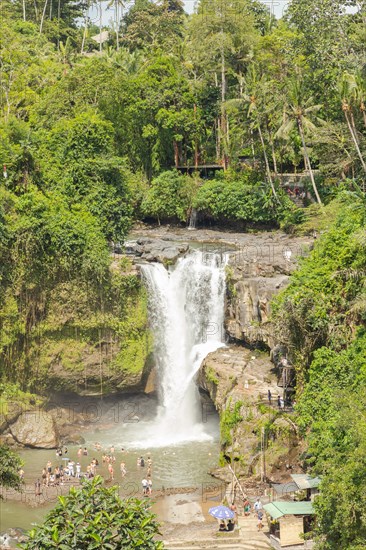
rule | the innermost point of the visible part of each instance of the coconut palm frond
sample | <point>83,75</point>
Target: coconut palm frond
<point>285,130</point>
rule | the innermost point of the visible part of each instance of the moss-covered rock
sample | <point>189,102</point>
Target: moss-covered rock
<point>237,380</point>
<point>92,338</point>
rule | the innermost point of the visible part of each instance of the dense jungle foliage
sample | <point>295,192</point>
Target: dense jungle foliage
<point>92,135</point>
<point>321,318</point>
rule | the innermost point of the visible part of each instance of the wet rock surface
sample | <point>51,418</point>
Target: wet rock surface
<point>157,250</point>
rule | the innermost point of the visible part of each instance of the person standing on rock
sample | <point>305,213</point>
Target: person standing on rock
<point>269,397</point>
<point>279,402</point>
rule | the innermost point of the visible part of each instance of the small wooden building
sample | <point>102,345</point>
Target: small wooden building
<point>307,483</point>
<point>289,522</point>
<point>300,482</point>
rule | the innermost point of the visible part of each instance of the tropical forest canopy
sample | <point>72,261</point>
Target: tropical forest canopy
<point>95,121</point>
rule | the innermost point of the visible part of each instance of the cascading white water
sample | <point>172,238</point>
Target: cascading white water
<point>186,306</point>
<point>192,219</point>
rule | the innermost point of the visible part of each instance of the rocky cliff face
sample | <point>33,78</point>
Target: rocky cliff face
<point>238,380</point>
<point>255,273</point>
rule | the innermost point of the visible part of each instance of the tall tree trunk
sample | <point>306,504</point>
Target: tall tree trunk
<point>363,111</point>
<point>176,153</point>
<point>35,10</point>
<point>58,19</point>
<point>100,26</point>
<point>43,16</point>
<point>86,19</point>
<point>84,35</point>
<point>218,144</point>
<point>307,160</point>
<point>364,117</point>
<point>353,125</point>
<point>354,138</point>
<point>117,24</point>
<point>24,14</point>
<point>274,160</point>
<point>268,170</point>
<point>196,153</point>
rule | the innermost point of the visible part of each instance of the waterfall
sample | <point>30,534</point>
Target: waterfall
<point>192,219</point>
<point>186,306</point>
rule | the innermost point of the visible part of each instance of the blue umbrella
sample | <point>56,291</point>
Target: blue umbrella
<point>221,512</point>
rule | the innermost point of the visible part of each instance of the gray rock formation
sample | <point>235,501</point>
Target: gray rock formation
<point>157,250</point>
<point>237,380</point>
<point>35,428</point>
<point>254,275</point>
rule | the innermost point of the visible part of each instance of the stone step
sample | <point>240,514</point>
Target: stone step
<point>210,544</point>
<point>213,546</point>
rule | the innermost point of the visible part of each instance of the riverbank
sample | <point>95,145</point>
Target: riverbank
<point>183,513</point>
<point>265,244</point>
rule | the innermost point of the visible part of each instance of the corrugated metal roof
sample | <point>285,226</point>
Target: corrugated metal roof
<point>304,481</point>
<point>278,508</point>
<point>285,488</point>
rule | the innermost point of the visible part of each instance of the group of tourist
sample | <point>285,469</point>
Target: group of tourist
<point>229,525</point>
<point>52,477</point>
<point>257,509</point>
<point>280,400</point>
<point>59,474</point>
<point>147,481</point>
<point>296,192</point>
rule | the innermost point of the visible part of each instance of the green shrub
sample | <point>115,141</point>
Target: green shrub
<point>169,197</point>
<point>93,517</point>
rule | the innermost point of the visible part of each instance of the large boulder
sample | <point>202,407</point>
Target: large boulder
<point>157,250</point>
<point>36,428</point>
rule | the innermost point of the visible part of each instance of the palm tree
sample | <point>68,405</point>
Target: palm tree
<point>43,16</point>
<point>252,90</point>
<point>348,92</point>
<point>86,21</point>
<point>118,4</point>
<point>297,115</point>
<point>361,93</point>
